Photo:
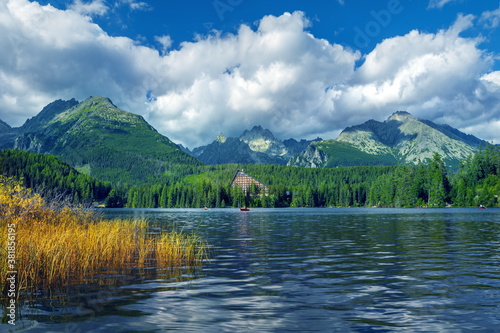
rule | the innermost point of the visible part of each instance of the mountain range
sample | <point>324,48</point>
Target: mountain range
<point>255,146</point>
<point>106,142</point>
<point>98,139</point>
<point>402,138</point>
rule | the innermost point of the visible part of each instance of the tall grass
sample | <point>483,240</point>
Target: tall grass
<point>59,245</point>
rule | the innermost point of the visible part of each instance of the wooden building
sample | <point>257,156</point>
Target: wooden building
<point>244,181</point>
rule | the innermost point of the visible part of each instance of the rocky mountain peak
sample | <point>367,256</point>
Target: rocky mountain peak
<point>408,139</point>
<point>402,116</point>
<point>257,132</point>
<point>220,138</point>
<point>98,100</point>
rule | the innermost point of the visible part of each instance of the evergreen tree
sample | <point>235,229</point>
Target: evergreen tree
<point>439,183</point>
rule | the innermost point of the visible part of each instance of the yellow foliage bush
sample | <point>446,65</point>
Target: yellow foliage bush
<point>58,245</point>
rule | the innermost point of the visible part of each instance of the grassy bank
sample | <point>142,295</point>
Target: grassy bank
<point>57,245</point>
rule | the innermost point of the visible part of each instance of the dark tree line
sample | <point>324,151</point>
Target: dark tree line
<point>428,184</point>
<point>476,182</point>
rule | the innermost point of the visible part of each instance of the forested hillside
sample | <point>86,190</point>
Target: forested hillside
<point>476,182</point>
<point>291,187</point>
<point>52,177</point>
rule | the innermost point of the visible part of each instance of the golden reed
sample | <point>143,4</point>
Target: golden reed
<point>58,245</point>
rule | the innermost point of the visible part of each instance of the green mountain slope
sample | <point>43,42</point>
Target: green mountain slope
<point>332,154</point>
<point>102,140</point>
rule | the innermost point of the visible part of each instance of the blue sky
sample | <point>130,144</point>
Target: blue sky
<point>359,24</point>
<point>332,20</point>
<point>196,68</point>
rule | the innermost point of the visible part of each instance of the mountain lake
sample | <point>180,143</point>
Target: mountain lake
<point>301,270</point>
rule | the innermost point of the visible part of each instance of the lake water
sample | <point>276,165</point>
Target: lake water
<point>308,270</point>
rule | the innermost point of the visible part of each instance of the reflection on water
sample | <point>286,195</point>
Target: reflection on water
<point>311,270</point>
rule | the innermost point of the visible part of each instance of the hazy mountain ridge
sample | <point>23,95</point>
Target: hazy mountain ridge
<point>4,127</point>
<point>255,146</point>
<point>7,135</point>
<point>402,138</point>
<point>233,150</point>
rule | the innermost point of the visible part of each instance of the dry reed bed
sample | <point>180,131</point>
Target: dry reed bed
<point>59,245</point>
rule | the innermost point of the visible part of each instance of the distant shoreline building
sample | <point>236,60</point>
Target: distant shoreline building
<point>244,181</point>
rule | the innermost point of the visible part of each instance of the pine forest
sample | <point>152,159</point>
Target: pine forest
<point>428,184</point>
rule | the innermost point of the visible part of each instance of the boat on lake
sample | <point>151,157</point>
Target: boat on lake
<point>244,209</point>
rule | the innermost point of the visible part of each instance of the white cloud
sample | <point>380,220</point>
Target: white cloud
<point>434,76</point>
<point>50,54</point>
<point>165,42</point>
<point>93,8</point>
<point>135,5</point>
<point>276,74</point>
<point>493,79</point>
<point>490,19</point>
<point>438,3</point>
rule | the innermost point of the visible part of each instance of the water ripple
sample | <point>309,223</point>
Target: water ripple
<point>317,270</point>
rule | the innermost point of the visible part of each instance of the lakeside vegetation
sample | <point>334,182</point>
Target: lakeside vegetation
<point>58,245</point>
<point>476,182</point>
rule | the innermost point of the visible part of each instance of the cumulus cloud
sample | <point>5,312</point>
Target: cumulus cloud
<point>492,79</point>
<point>276,74</point>
<point>50,54</point>
<point>421,72</point>
<point>442,77</point>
